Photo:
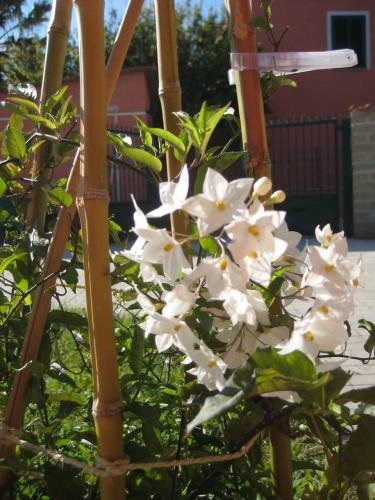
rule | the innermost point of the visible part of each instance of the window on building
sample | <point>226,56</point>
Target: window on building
<point>350,30</point>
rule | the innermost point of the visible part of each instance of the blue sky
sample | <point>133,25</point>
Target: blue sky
<point>120,5</point>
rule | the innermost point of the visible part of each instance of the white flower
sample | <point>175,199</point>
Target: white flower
<point>258,268</point>
<point>326,237</point>
<point>210,368</point>
<point>167,331</point>
<point>252,231</point>
<point>247,306</point>
<point>135,252</point>
<point>172,195</point>
<point>218,202</point>
<point>161,248</point>
<point>221,274</point>
<point>327,267</point>
<point>178,301</point>
<point>314,333</point>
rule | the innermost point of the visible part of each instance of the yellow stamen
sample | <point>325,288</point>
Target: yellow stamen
<point>309,336</point>
<point>177,328</point>
<point>355,282</point>
<point>252,254</point>
<point>324,309</point>
<point>329,238</point>
<point>329,268</point>
<point>168,247</point>
<point>211,363</point>
<point>220,205</point>
<point>253,230</point>
<point>223,264</point>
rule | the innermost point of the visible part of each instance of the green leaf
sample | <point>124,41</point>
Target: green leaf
<point>145,412</point>
<point>366,396</point>
<point>210,245</point>
<point>58,373</point>
<point>3,187</point>
<point>287,82</point>
<point>36,368</point>
<point>67,318</point>
<point>338,379</point>
<point>212,122</point>
<point>136,350</point>
<point>168,137</point>
<point>201,174</point>
<point>222,161</point>
<point>151,437</point>
<point>15,142</point>
<point>59,196</point>
<point>370,328</point>
<point>202,117</point>
<point>7,261</point>
<point>42,120</point>
<point>24,103</point>
<point>62,483</point>
<point>55,101</point>
<point>75,397</point>
<point>114,231</point>
<point>236,388</point>
<point>190,127</point>
<point>359,453</point>
<point>138,155</point>
<point>259,23</point>
<point>146,137</point>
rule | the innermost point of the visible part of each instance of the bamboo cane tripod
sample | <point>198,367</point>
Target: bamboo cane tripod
<point>89,167</point>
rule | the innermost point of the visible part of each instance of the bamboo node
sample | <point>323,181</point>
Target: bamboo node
<point>58,31</point>
<point>258,163</point>
<point>100,409</point>
<point>6,432</point>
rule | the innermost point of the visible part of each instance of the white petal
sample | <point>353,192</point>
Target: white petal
<point>214,185</point>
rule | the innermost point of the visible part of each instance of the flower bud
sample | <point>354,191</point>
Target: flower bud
<point>262,186</point>
<point>277,197</point>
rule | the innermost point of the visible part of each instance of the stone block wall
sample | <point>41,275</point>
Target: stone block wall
<point>363,165</point>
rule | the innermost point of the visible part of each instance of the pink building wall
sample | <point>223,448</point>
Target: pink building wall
<point>133,95</point>
<point>319,92</point>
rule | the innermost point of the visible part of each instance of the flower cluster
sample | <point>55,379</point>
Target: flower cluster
<point>217,307</point>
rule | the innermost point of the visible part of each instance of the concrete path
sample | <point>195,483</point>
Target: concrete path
<point>363,374</point>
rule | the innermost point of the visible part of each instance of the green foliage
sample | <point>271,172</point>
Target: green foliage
<point>21,56</point>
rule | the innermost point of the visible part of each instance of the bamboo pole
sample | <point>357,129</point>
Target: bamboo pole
<point>249,92</point>
<point>169,87</point>
<point>42,298</point>
<point>93,211</point>
<point>42,170</point>
<point>253,127</point>
<point>281,460</point>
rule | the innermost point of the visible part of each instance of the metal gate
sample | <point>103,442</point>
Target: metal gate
<point>311,163</point>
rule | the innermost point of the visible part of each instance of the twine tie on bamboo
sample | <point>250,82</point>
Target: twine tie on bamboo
<point>116,468</point>
<point>92,194</point>
<point>101,409</point>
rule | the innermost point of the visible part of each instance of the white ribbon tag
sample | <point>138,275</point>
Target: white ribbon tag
<point>286,63</point>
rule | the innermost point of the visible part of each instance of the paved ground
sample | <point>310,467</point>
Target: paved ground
<point>363,374</point>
